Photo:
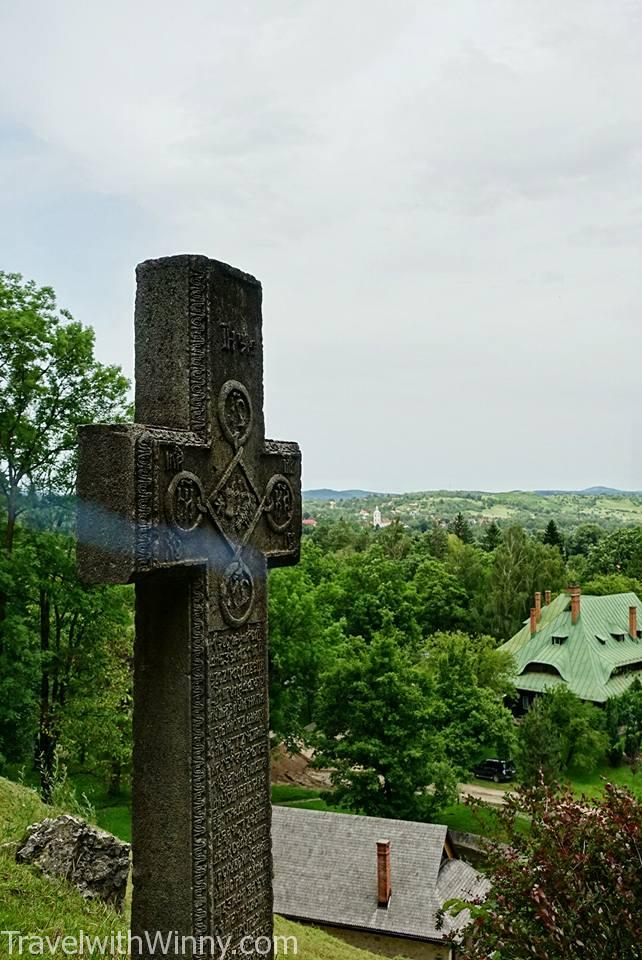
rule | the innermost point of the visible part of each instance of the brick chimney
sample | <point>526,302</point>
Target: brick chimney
<point>533,621</point>
<point>633,622</point>
<point>538,604</point>
<point>547,597</point>
<point>384,881</point>
<point>575,604</point>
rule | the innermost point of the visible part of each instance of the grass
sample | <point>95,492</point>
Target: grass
<point>38,905</point>
<point>592,784</point>
<point>30,902</point>
<point>114,814</point>
<point>481,820</point>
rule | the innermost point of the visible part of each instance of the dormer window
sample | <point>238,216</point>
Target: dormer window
<point>558,640</point>
<point>618,636</point>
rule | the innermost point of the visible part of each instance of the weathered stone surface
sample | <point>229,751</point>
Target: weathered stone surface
<point>192,503</point>
<point>96,862</point>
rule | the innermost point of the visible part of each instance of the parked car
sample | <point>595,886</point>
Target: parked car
<point>498,770</point>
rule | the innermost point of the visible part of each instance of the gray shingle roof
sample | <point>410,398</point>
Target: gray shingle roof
<point>325,870</point>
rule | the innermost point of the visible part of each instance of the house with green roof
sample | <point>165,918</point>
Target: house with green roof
<point>590,644</point>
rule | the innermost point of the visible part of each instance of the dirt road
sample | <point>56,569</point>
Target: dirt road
<point>493,795</point>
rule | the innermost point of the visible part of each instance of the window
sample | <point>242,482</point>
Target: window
<point>627,668</point>
<point>558,641</point>
<point>535,667</point>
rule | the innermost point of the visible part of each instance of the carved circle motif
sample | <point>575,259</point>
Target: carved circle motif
<point>235,412</point>
<point>184,500</point>
<point>279,506</point>
<point>236,593</point>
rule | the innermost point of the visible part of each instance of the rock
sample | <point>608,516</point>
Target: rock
<point>96,862</point>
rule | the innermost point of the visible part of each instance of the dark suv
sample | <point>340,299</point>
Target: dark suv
<point>498,770</point>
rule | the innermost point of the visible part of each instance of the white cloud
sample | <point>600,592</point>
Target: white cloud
<point>442,201</point>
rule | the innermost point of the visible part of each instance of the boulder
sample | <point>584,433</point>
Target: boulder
<point>96,862</point>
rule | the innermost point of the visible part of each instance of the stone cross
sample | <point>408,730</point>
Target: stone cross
<point>192,503</point>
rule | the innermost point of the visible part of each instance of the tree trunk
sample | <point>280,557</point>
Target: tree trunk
<point>12,514</point>
<point>115,777</point>
<point>46,744</point>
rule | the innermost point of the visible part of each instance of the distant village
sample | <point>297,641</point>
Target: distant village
<point>377,519</point>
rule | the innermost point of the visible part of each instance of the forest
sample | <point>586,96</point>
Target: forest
<point>383,643</point>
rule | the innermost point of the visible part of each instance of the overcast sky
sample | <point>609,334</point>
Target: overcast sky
<point>442,200</point>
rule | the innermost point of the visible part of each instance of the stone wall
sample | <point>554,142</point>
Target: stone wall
<point>387,946</point>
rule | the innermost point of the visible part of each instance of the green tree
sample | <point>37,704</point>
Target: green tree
<point>624,721</point>
<point>438,540</point>
<point>584,537</point>
<point>561,731</point>
<point>19,653</point>
<point>370,589</point>
<point>605,584</point>
<point>302,639</point>
<point>539,751</point>
<point>492,537</point>
<point>394,542</point>
<point>49,383</point>
<point>521,565</point>
<point>84,634</point>
<point>376,734</point>
<point>552,537</point>
<point>441,602</point>
<point>471,568</point>
<point>619,552</point>
<point>581,729</point>
<point>471,679</point>
<point>461,528</point>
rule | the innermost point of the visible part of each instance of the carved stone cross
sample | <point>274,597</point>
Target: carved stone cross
<point>192,504</point>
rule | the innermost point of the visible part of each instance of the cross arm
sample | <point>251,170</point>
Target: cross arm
<point>106,489</point>
<point>282,461</point>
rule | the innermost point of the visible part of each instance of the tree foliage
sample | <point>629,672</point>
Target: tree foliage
<point>624,723</point>
<point>376,732</point>
<point>50,382</point>
<point>521,566</point>
<point>64,649</point>
<point>552,536</point>
<point>559,732</point>
<point>461,528</point>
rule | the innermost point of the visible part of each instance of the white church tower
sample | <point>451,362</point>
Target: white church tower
<point>376,517</point>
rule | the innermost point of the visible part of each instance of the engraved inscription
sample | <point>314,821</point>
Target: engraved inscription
<point>279,503</point>
<point>185,500</point>
<point>173,458</point>
<point>288,466</point>
<point>239,769</point>
<point>198,322</point>
<point>236,593</point>
<point>235,412</point>
<point>198,603</point>
<point>235,341</point>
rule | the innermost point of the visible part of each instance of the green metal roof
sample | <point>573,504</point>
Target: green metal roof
<point>590,661</point>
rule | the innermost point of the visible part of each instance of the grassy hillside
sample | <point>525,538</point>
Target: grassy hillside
<point>38,905</point>
<point>532,510</point>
